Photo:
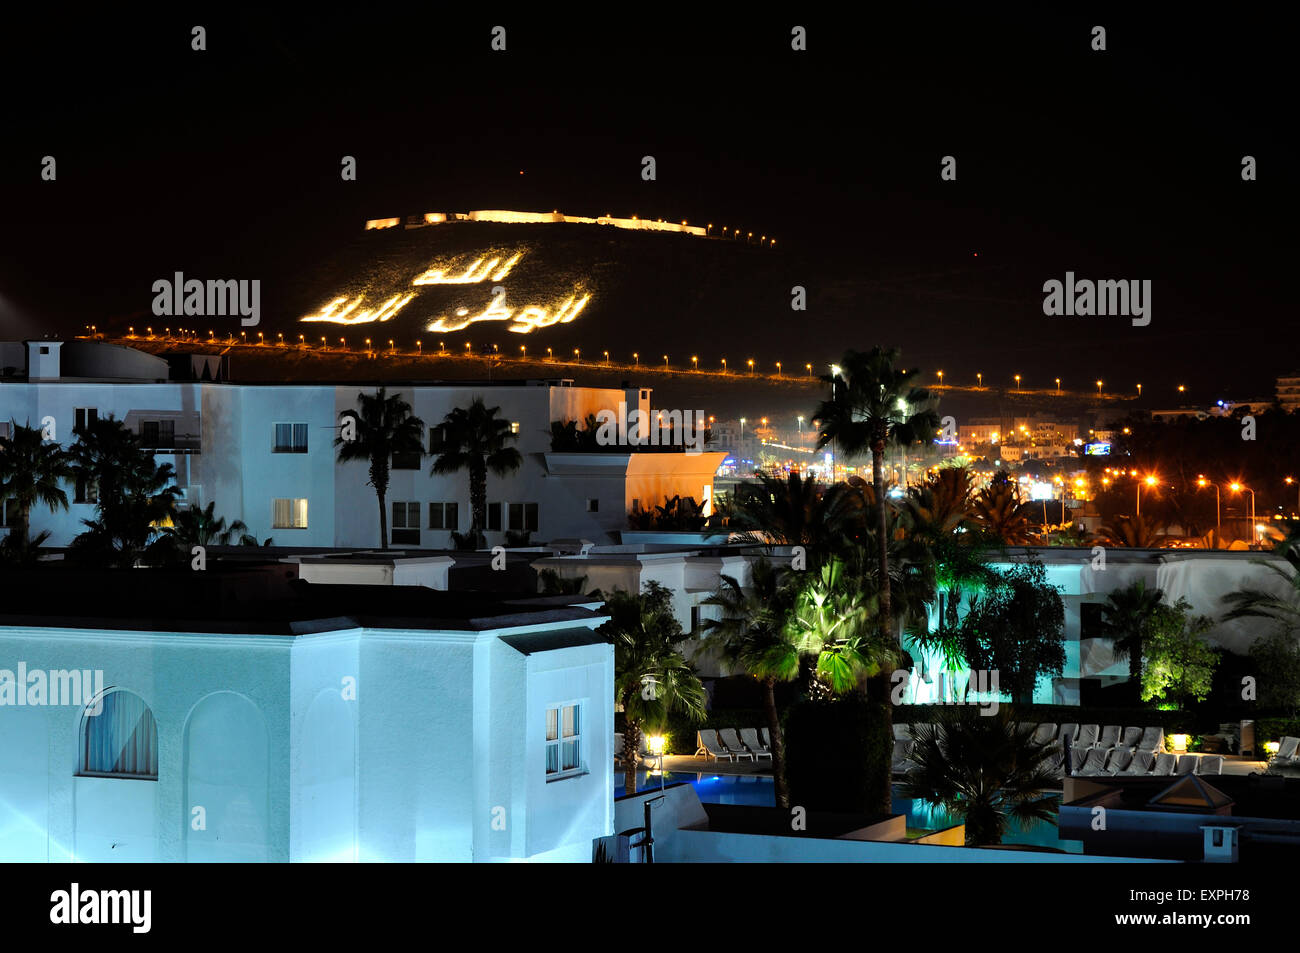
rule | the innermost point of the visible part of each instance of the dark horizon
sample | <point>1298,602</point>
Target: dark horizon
<point>1123,164</point>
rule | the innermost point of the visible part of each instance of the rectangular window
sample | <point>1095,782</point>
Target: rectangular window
<point>289,514</point>
<point>695,620</point>
<point>406,524</point>
<point>85,416</point>
<point>563,740</point>
<point>494,517</point>
<point>290,438</point>
<point>87,490</point>
<point>593,506</point>
<point>406,461</point>
<point>10,508</point>
<point>158,433</point>
<point>443,516</point>
<point>514,426</point>
<point>437,439</point>
<point>523,517</point>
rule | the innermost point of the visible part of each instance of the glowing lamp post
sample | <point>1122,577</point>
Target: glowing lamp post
<point>1017,382</point>
<point>1098,388</point>
<point>809,367</point>
<point>979,377</point>
<point>1237,488</point>
<point>695,363</point>
<point>778,368</point>
<point>665,362</point>
<point>1058,387</point>
<point>1150,481</point>
<point>656,744</point>
<point>751,367</point>
<point>1202,482</point>
<point>636,359</point>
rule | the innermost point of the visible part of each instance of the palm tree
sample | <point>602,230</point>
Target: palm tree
<point>874,405</point>
<point>1130,531</point>
<point>754,635</point>
<point>984,768</point>
<point>195,527</point>
<point>792,511</point>
<point>941,506</point>
<point>475,440</point>
<point>30,473</point>
<point>651,676</point>
<point>1000,514</point>
<point>136,495</point>
<point>1258,603</point>
<point>1125,617</point>
<point>384,425</point>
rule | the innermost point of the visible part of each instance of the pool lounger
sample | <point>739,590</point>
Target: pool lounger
<point>710,747</point>
<point>749,737</point>
<point>732,744</point>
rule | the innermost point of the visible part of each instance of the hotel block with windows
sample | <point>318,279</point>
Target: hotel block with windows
<point>264,452</point>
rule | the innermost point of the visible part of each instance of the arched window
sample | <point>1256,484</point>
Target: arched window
<point>121,741</point>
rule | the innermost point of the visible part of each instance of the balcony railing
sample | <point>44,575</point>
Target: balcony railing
<point>184,443</point>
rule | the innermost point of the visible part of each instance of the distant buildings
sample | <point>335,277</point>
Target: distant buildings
<point>1288,392</point>
<point>265,452</point>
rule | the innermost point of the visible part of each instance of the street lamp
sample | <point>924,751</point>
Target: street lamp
<point>941,378</point>
<point>1201,481</point>
<point>1058,386</point>
<point>1139,390</point>
<point>809,367</point>
<point>1288,482</point>
<point>751,367</point>
<point>980,378</point>
<point>1098,388</point>
<point>778,368</point>
<point>695,362</point>
<point>665,361</point>
<point>1150,481</point>
<point>636,359</point>
<point>1017,382</point>
<point>724,365</point>
<point>1237,488</point>
<point>800,419</point>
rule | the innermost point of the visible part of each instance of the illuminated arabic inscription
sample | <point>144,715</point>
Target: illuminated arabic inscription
<point>478,271</point>
<point>332,313</point>
<point>523,321</point>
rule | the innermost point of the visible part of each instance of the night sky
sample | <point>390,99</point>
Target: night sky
<point>1117,164</point>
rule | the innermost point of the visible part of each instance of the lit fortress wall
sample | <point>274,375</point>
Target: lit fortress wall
<point>538,218</point>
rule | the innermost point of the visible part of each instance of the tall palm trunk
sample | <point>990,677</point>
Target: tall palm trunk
<point>478,495</point>
<point>631,750</point>
<point>379,480</point>
<point>778,742</point>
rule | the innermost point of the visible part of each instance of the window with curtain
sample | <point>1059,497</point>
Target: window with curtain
<point>563,740</point>
<point>289,514</point>
<point>290,438</point>
<point>122,740</point>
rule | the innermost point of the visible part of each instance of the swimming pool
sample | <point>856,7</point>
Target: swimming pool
<point>758,791</point>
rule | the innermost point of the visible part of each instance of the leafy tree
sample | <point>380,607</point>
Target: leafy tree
<point>476,440</point>
<point>651,677</point>
<point>31,471</point>
<point>1125,618</point>
<point>1180,663</point>
<point>875,405</point>
<point>982,768</point>
<point>136,495</point>
<point>384,425</point>
<point>1016,628</point>
<point>1277,661</point>
<point>754,635</point>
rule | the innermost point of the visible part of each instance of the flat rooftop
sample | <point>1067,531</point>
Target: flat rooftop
<point>258,600</point>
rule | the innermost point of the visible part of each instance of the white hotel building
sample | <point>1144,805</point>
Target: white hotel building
<point>264,452</point>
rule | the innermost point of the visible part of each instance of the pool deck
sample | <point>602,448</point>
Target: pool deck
<point>685,764</point>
